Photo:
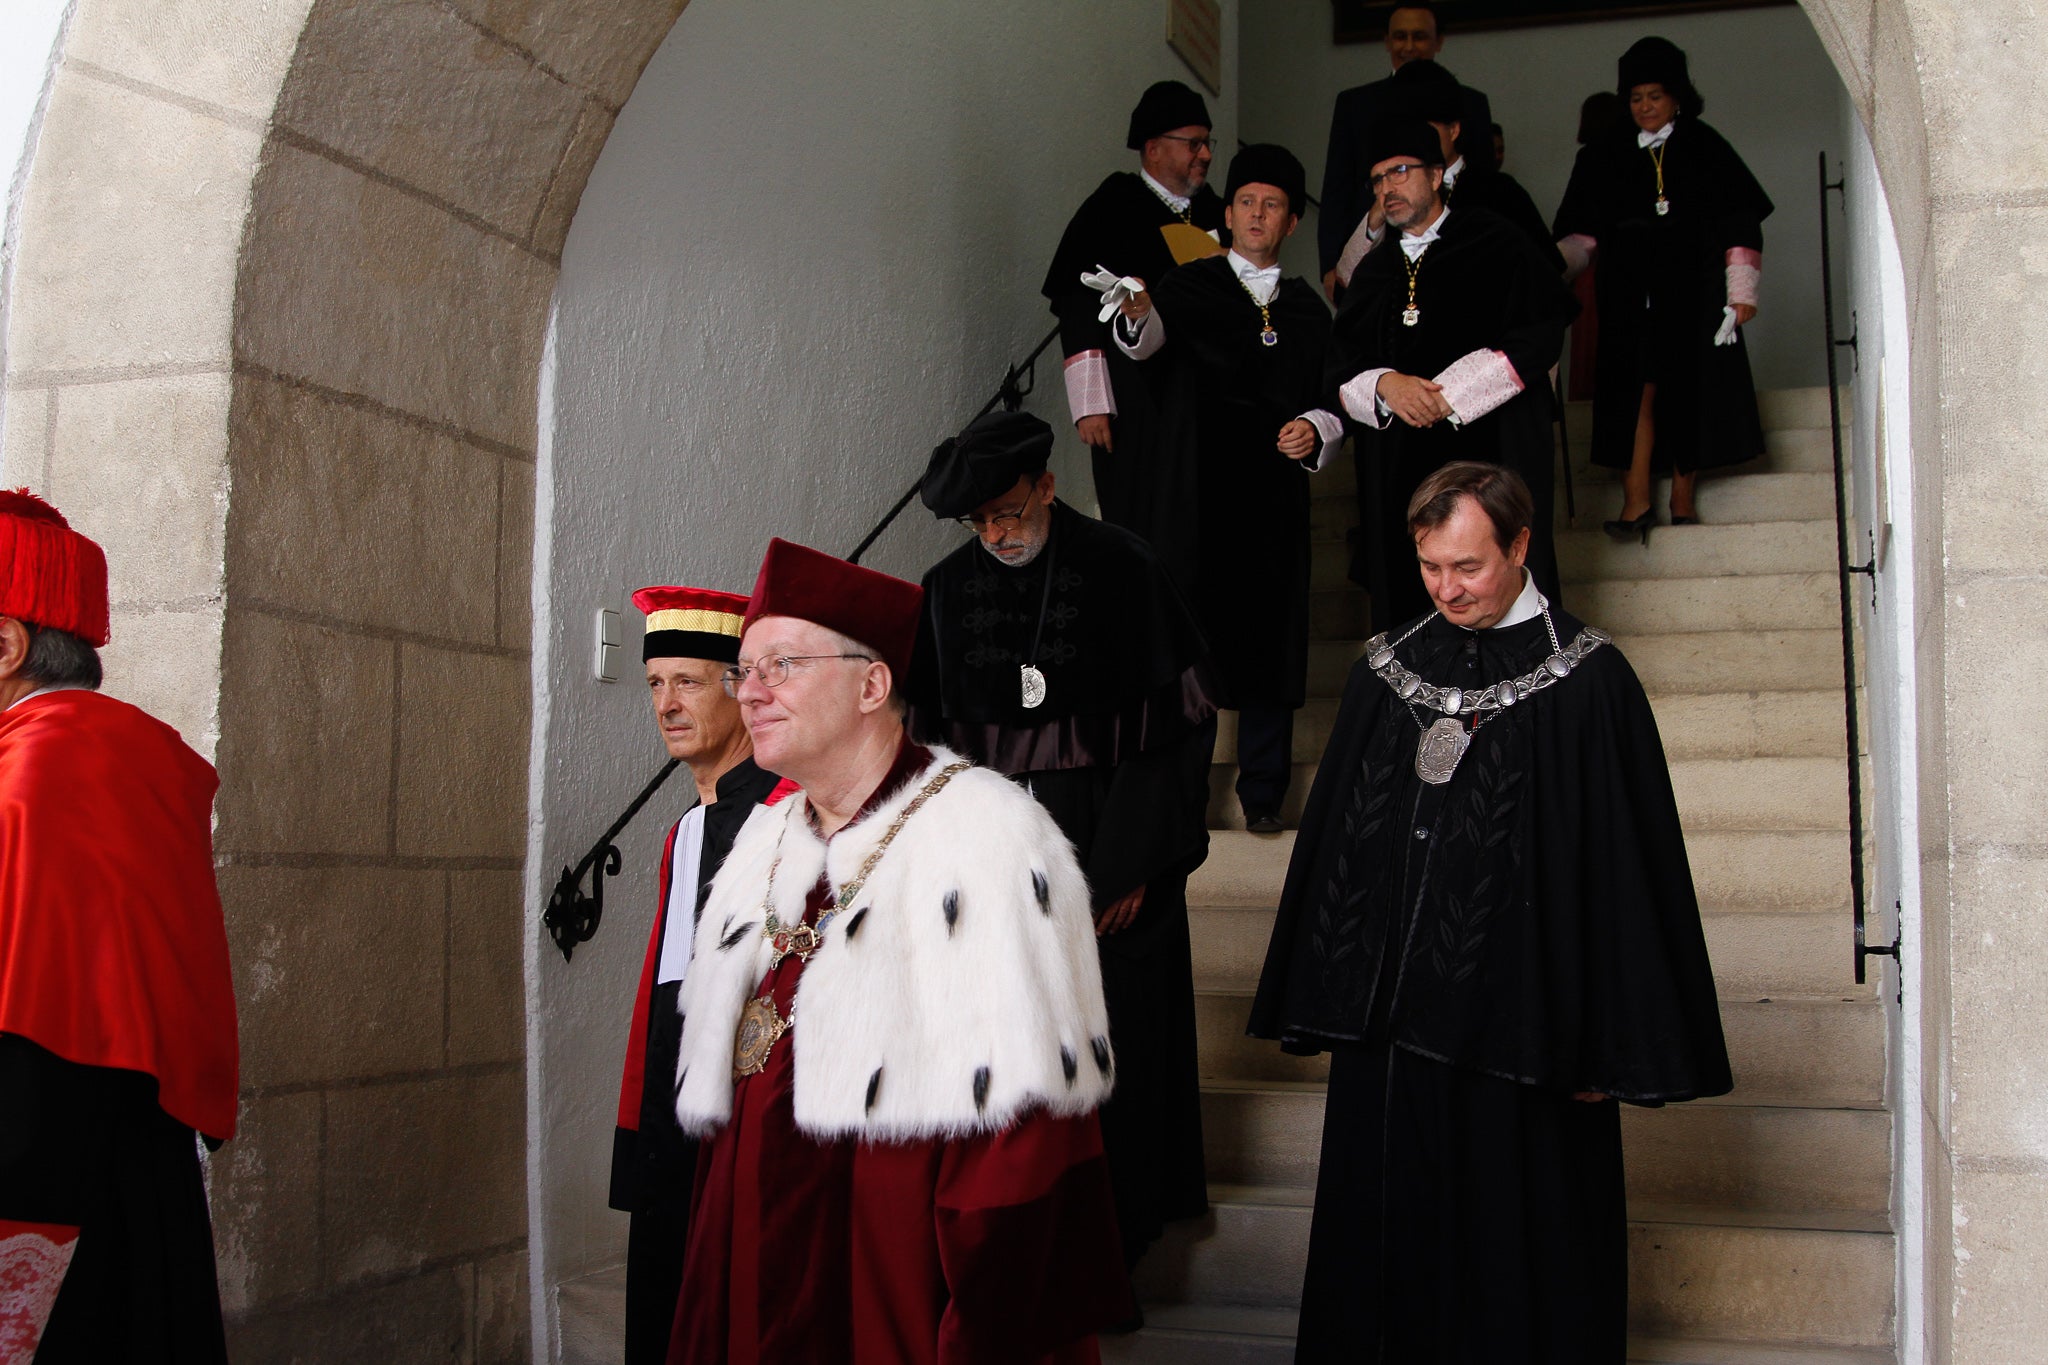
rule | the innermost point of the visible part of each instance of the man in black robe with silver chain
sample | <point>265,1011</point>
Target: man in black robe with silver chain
<point>1055,649</point>
<point>1441,352</point>
<point>1139,224</point>
<point>1490,925</point>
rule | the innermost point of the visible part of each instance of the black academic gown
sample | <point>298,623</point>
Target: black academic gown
<point>1119,755</point>
<point>654,1169</point>
<point>1661,287</point>
<point>1482,187</point>
<point>1481,286</point>
<point>88,1147</point>
<point>1231,510</point>
<point>1474,954</point>
<point>1117,228</point>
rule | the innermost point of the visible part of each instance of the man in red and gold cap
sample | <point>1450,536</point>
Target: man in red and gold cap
<point>117,1015</point>
<point>894,1039</point>
<point>693,636</point>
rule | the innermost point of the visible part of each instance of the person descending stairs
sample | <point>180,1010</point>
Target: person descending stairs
<point>1759,1225</point>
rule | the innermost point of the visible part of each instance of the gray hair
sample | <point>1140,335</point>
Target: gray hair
<point>57,658</point>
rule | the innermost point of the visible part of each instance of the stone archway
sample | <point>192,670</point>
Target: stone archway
<point>282,277</point>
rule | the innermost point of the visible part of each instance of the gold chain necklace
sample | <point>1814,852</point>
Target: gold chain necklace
<point>1267,336</point>
<point>761,1025</point>
<point>1657,159</point>
<point>1413,265</point>
<point>1186,215</point>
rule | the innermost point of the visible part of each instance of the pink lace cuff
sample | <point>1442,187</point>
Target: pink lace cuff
<point>1745,272</point>
<point>1478,382</point>
<point>1088,391</point>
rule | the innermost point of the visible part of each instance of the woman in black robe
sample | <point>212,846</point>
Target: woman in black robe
<point>1677,219</point>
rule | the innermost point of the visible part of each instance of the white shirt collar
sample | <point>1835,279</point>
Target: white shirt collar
<point>1528,605</point>
<point>1658,138</point>
<point>1177,202</point>
<point>1453,171</point>
<point>1414,245</point>
<point>44,691</point>
<point>1262,283</point>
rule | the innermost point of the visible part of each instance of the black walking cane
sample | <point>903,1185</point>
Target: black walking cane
<point>1564,446</point>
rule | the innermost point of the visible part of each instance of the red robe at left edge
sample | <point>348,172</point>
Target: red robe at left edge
<point>916,1177</point>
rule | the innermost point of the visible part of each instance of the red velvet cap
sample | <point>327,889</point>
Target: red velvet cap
<point>873,608</point>
<point>50,575</point>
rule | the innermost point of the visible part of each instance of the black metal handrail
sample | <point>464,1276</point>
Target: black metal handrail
<point>1844,567</point>
<point>573,914</point>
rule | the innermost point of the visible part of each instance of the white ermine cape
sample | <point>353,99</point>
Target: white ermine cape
<point>958,991</point>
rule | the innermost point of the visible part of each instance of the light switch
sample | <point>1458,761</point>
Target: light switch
<point>608,633</point>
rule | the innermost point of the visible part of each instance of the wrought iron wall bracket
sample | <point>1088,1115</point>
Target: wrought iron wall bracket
<point>1865,951</point>
<point>573,914</point>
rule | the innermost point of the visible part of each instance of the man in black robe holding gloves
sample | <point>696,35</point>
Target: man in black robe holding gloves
<point>693,635</point>
<point>1137,224</point>
<point>1054,649</point>
<point>1489,922</point>
<point>1241,355</point>
<point>1441,352</point>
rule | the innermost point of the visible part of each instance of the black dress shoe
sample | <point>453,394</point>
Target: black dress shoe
<point>1265,822</point>
<point>1629,528</point>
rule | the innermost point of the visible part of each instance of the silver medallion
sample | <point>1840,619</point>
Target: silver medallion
<point>1034,685</point>
<point>1438,751</point>
<point>1410,316</point>
<point>1663,207</point>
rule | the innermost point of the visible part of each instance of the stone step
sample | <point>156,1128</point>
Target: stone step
<point>1655,606</point>
<point>1755,953</point>
<point>1813,1051</point>
<point>592,1312</point>
<point>1223,1334</point>
<point>1739,550</point>
<point>1828,1285</point>
<point>1750,869</point>
<point>1736,661</point>
<point>1731,1157</point>
<point>1720,501</point>
<point>1788,450</point>
<point>1761,793</point>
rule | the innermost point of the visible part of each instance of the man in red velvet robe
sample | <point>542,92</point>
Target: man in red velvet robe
<point>117,1017</point>
<point>894,1039</point>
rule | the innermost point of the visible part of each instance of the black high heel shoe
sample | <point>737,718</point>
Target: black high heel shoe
<point>1630,529</point>
<point>1677,520</point>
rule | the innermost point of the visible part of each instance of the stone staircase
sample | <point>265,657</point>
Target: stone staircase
<point>1759,1225</point>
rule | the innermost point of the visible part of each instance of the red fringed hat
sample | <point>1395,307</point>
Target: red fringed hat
<point>873,608</point>
<point>691,623</point>
<point>50,575</point>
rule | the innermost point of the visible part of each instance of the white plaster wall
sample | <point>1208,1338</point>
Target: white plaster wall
<point>1769,86</point>
<point>31,33</point>
<point>810,247</point>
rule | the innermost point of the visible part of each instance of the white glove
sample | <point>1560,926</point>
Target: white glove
<point>1726,336</point>
<point>1113,290</point>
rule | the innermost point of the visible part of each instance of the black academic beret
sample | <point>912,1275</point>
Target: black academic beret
<point>1267,163</point>
<point>1164,107</point>
<point>1424,90</point>
<point>985,461</point>
<point>1658,61</point>
<point>1405,137</point>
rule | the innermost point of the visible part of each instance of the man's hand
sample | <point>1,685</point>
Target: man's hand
<point>1139,305</point>
<point>1743,313</point>
<point>1590,1096</point>
<point>1119,913</point>
<point>1330,284</point>
<point>1094,431</point>
<point>1418,402</point>
<point>1299,439</point>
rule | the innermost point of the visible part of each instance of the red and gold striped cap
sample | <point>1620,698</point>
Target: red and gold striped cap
<point>691,623</point>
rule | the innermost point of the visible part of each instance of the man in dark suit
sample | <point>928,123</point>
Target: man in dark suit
<point>1413,33</point>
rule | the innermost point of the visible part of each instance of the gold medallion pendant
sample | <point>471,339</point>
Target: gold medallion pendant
<point>760,1027</point>
<point>1438,751</point>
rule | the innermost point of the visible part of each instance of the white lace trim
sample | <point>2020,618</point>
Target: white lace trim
<point>32,1270</point>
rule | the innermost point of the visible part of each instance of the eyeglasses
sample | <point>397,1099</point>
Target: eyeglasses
<point>1005,522</point>
<point>1195,144</point>
<point>774,670</point>
<point>1396,173</point>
